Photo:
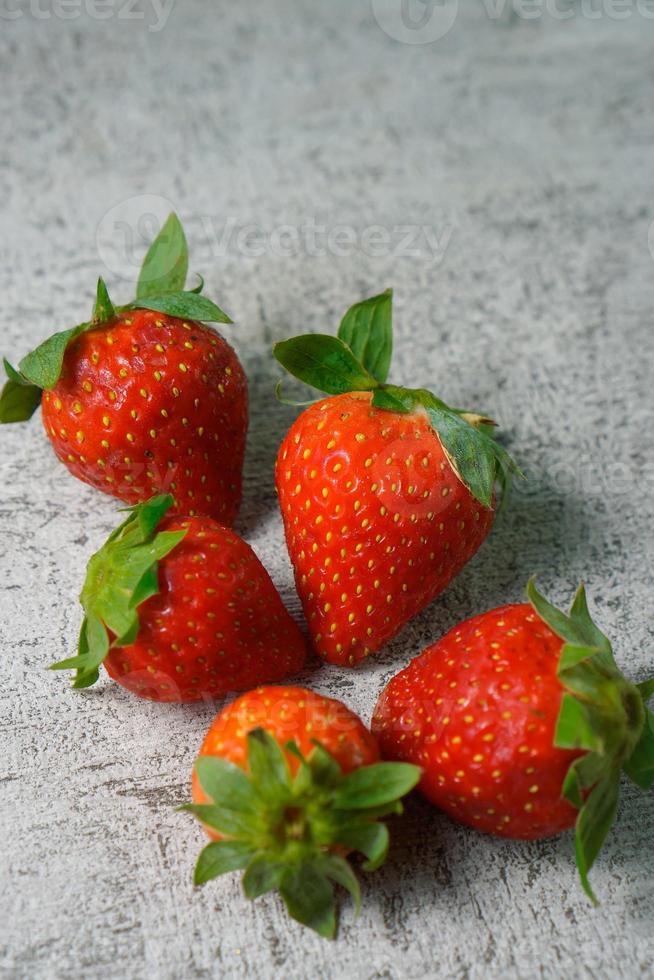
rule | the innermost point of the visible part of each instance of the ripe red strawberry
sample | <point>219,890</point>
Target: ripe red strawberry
<point>522,722</point>
<point>287,783</point>
<point>181,609</point>
<point>385,492</point>
<point>144,399</point>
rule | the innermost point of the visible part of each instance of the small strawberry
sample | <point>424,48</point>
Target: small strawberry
<point>287,783</point>
<point>179,609</point>
<point>144,398</point>
<point>385,492</point>
<point>522,722</point>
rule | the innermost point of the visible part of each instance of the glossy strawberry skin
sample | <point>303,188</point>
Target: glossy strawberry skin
<point>148,403</point>
<point>289,713</point>
<point>377,522</point>
<point>478,711</point>
<point>216,626</point>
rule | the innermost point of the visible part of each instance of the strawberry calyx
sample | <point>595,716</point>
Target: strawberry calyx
<point>160,287</point>
<point>120,576</point>
<point>289,831</point>
<point>602,713</point>
<point>358,359</point>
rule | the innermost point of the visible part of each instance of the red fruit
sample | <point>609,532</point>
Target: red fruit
<point>181,609</point>
<point>377,522</point>
<point>385,492</point>
<point>521,722</point>
<point>143,398</point>
<point>289,713</point>
<point>147,403</point>
<point>479,710</point>
<point>286,784</point>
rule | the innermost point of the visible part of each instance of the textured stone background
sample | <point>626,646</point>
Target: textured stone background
<point>527,147</point>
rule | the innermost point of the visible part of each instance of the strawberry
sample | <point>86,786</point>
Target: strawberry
<point>385,492</point>
<point>181,609</point>
<point>144,398</point>
<point>286,784</point>
<point>522,722</point>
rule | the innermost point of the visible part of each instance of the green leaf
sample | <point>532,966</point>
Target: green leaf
<point>553,617</point>
<point>593,824</point>
<point>295,829</point>
<point>640,765</point>
<point>225,783</point>
<point>337,868</point>
<point>144,589</point>
<point>376,785</point>
<point>200,285</point>
<point>233,823</point>
<point>571,656</point>
<point>367,329</point>
<point>582,775</point>
<point>150,513</point>
<point>220,858</point>
<point>587,631</point>
<point>325,363</point>
<point>371,839</point>
<point>601,712</point>
<point>165,265</point>
<point>646,689</point>
<point>42,367</point>
<point>103,309</point>
<point>309,898</point>
<point>392,399</point>
<point>476,457</point>
<point>120,576</point>
<point>578,629</point>
<point>577,726</point>
<point>185,305</point>
<point>12,373</point>
<point>325,770</point>
<point>468,453</point>
<point>19,398</point>
<point>263,874</point>
<point>268,766</point>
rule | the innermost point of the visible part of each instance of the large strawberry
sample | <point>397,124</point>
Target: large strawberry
<point>522,722</point>
<point>385,492</point>
<point>180,609</point>
<point>286,784</point>
<point>143,398</point>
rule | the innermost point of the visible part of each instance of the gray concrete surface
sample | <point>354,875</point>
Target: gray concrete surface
<point>521,152</point>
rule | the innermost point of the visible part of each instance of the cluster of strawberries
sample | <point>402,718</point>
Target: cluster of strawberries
<point>517,722</point>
